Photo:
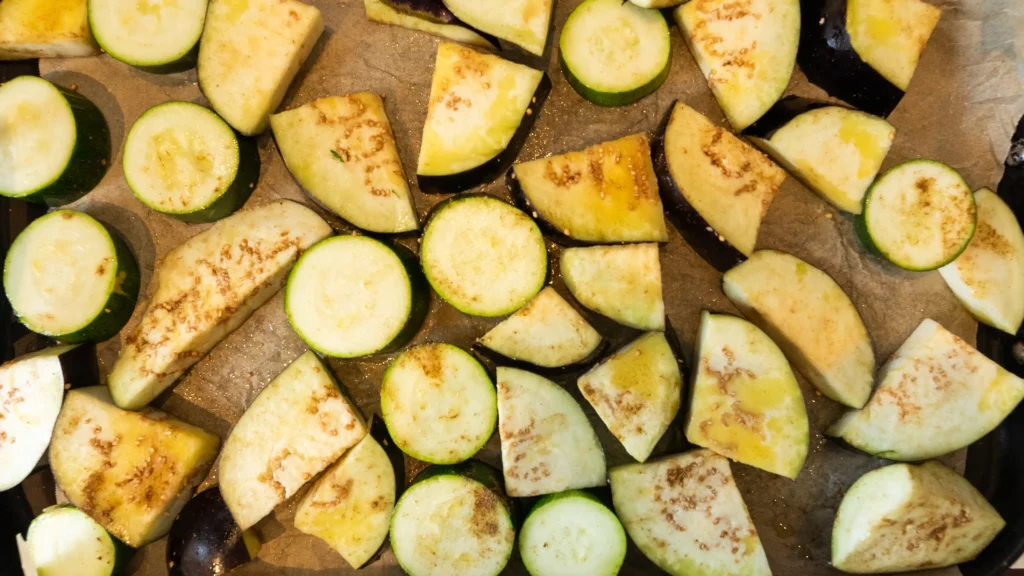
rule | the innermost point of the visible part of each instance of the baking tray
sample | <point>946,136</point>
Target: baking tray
<point>961,109</point>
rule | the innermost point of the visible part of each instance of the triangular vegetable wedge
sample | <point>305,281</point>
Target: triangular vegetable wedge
<point>382,12</point>
<point>45,29</point>
<point>936,394</point>
<point>547,443</point>
<point>746,402</point>
<point>890,35</point>
<point>620,282</point>
<point>522,22</point>
<point>636,392</point>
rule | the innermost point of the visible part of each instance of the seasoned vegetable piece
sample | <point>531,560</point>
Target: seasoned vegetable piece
<point>522,22</point>
<point>65,540</point>
<point>620,282</point>
<point>161,34</point>
<point>204,538</point>
<point>45,29</point>
<point>130,471</point>
<point>379,11</point>
<point>572,533</point>
<point>935,395</point>
<point>890,35</point>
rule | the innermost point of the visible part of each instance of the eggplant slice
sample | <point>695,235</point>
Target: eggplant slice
<point>386,13</point>
<point>204,538</point>
<point>525,23</point>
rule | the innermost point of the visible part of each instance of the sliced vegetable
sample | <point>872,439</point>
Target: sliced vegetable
<point>69,277</point>
<point>890,35</point>
<point>342,151</point>
<point>379,11</point>
<point>988,277</point>
<point>480,112</point>
<point>352,296</point>
<point>547,443</point>
<point>548,332</point>
<point>207,287</point>
<point>686,514</point>
<point>454,520</point>
<point>132,472</point>
<point>56,142</point>
<point>636,392</point>
<point>657,3</point>
<point>620,282</point>
<point>204,538</point>
<point>65,540</point>
<point>149,34</point>
<point>717,186</point>
<point>439,404</point>
<point>430,10</point>
<point>603,194</point>
<point>297,426</point>
<point>810,317</point>
<point>920,215</point>
<point>572,533</point>
<point>45,29</point>
<point>249,55</point>
<point>521,22</point>
<point>746,50</point>
<point>614,53</point>
<point>182,160</point>
<point>908,518</point>
<point>746,402</point>
<point>836,151</point>
<point>935,395</point>
<point>483,256</point>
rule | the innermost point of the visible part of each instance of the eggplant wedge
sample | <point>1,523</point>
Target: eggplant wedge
<point>746,50</point>
<point>522,22</point>
<point>603,194</point>
<point>835,151</point>
<point>45,29</point>
<point>130,471</point>
<point>298,426</point>
<point>204,538</point>
<point>865,51</point>
<point>620,282</point>
<point>481,110</point>
<point>935,395</point>
<point>717,187</point>
<point>387,13</point>
<point>812,320</point>
<point>909,518</point>
<point>207,287</point>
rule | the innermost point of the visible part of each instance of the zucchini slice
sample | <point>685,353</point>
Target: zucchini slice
<point>521,22</point>
<point>836,151</point>
<point>297,426</point>
<point>207,287</point>
<point>342,151</point>
<point>686,514</point>
<point>483,256</point>
<point>204,538</point>
<point>132,472</point>
<point>350,506</point>
<point>69,277</point>
<point>620,282</point>
<point>988,278</point>
<point>746,404</point>
<point>603,194</point>
<point>746,50</point>
<point>908,518</point>
<point>636,392</point>
<point>454,520</point>
<point>382,12</point>
<point>812,320</point>
<point>352,296</point>
<point>65,540</point>
<point>935,395</point>
<point>614,53</point>
<point>920,215</point>
<point>164,33</point>
<point>182,160</point>
<point>250,53</point>
<point>572,533</point>
<point>439,404</point>
<point>56,142</point>
<point>480,112</point>
<point>45,29</point>
<point>718,187</point>
<point>548,333</point>
<point>547,443</point>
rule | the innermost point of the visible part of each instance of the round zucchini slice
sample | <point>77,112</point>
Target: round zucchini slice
<point>572,533</point>
<point>162,35</point>
<point>920,215</point>
<point>182,160</point>
<point>65,540</point>
<point>614,53</point>
<point>352,296</point>
<point>70,278</point>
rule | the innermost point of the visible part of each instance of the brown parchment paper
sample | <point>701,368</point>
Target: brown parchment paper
<point>966,96</point>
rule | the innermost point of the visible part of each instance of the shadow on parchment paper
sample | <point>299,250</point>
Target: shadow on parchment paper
<point>311,60</point>
<point>167,80</point>
<point>102,98</point>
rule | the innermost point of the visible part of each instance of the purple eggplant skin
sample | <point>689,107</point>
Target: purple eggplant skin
<point>204,538</point>
<point>828,59</point>
<point>781,114</point>
<point>691,225</point>
<point>495,167</point>
<point>430,10</point>
<point>490,360</point>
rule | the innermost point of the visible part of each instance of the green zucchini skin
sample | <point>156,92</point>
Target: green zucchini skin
<point>123,553</point>
<point>420,289</point>
<point>240,190</point>
<point>611,99</point>
<point>477,471</point>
